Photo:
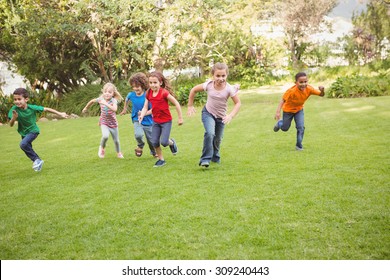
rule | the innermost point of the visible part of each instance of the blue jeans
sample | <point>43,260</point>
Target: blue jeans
<point>139,132</point>
<point>299,118</point>
<point>26,146</point>
<point>212,137</point>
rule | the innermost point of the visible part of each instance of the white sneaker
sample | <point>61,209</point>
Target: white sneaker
<point>101,152</point>
<point>35,163</point>
<point>38,165</point>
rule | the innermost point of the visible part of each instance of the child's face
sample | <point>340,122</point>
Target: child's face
<point>108,93</point>
<point>137,89</point>
<point>301,83</point>
<point>220,76</point>
<point>154,83</point>
<point>20,101</point>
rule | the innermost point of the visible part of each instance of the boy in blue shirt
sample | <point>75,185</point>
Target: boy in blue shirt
<point>139,83</point>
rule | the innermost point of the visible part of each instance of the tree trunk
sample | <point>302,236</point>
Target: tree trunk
<point>158,61</point>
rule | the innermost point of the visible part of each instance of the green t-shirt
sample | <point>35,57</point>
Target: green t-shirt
<point>27,118</point>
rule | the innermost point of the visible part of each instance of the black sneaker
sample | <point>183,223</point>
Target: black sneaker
<point>204,164</point>
<point>159,163</point>
<point>173,147</point>
<point>276,127</point>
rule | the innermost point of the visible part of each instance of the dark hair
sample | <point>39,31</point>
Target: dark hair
<point>164,81</point>
<point>139,79</point>
<point>300,74</point>
<point>21,91</point>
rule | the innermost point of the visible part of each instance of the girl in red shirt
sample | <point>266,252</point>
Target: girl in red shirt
<point>158,95</point>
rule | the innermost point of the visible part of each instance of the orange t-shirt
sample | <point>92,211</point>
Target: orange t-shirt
<point>295,98</point>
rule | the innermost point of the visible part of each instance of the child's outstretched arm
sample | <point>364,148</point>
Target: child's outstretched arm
<point>277,114</point>
<point>178,108</point>
<point>88,105</point>
<point>14,118</point>
<point>61,114</point>
<point>191,97</point>
<point>124,111</point>
<point>237,104</point>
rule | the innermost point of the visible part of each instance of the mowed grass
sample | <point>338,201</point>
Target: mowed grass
<point>264,201</point>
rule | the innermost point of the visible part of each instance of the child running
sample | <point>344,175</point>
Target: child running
<point>25,115</point>
<point>139,83</point>
<point>292,104</point>
<point>214,113</point>
<point>158,95</point>
<point>108,123</point>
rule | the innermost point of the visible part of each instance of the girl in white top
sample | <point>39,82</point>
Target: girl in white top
<point>214,113</point>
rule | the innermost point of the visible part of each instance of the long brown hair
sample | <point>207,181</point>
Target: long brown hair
<point>164,81</point>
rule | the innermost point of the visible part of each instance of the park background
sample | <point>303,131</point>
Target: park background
<point>265,201</point>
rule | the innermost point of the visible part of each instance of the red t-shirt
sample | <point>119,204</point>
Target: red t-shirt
<point>160,106</point>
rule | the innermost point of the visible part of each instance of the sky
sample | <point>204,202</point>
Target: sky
<point>341,19</point>
<point>345,8</point>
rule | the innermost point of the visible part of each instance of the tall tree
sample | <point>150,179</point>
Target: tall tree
<point>371,30</point>
<point>300,19</point>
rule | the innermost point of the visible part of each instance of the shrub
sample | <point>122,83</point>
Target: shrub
<point>182,87</point>
<point>360,86</point>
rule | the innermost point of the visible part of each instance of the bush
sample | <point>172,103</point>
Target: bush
<point>182,87</point>
<point>360,86</point>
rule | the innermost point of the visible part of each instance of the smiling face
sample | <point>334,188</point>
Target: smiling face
<point>20,101</point>
<point>220,77</point>
<point>108,93</point>
<point>301,83</point>
<point>137,89</point>
<point>154,83</point>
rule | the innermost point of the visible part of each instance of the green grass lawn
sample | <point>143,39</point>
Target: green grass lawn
<point>264,201</point>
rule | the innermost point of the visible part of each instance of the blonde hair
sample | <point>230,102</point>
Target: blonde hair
<point>117,95</point>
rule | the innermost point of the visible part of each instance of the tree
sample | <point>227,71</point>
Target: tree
<point>371,29</point>
<point>300,19</point>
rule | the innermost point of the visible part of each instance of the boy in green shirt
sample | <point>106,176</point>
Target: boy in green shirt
<point>25,115</point>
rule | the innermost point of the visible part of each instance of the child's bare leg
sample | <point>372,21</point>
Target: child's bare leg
<point>159,152</point>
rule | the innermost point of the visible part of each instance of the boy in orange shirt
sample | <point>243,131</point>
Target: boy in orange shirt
<point>292,105</point>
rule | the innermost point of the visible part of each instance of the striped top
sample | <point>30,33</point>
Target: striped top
<point>107,116</point>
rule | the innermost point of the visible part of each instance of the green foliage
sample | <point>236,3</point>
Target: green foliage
<point>6,103</point>
<point>75,101</point>
<point>253,74</point>
<point>182,87</point>
<point>360,86</point>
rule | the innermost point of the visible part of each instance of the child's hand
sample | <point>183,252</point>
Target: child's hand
<point>123,112</point>
<point>190,110</point>
<point>227,119</point>
<point>322,89</point>
<point>64,115</point>
<point>277,116</point>
<point>180,121</point>
<point>14,115</point>
<point>84,110</point>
